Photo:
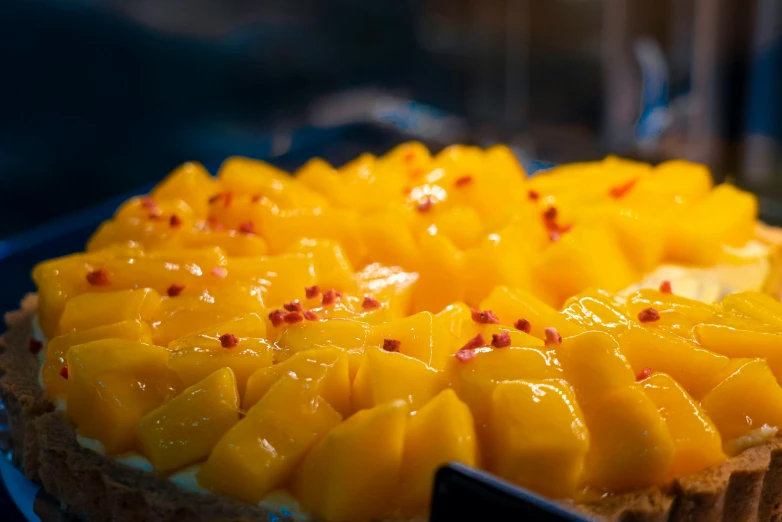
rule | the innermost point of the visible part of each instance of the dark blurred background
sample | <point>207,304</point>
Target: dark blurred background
<point>98,98</point>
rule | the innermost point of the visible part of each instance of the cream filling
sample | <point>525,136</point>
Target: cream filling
<point>751,439</point>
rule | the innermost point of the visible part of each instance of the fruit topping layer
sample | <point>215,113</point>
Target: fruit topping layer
<point>335,336</point>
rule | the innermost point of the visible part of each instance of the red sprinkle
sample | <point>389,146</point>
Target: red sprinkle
<point>550,214</point>
<point>485,317</point>
<point>292,318</point>
<point>370,303</point>
<point>391,345</point>
<point>425,204</point>
<point>533,195</point>
<point>462,181</point>
<point>256,198</point>
<point>476,342</point>
<point>312,291</point>
<point>330,297</point>
<point>465,355</point>
<point>175,221</point>
<point>277,317</point>
<point>621,190</point>
<point>215,197</point>
<point>227,198</point>
<point>409,156</point>
<point>293,306</point>
<point>523,325</point>
<point>407,190</point>
<point>247,228</point>
<point>643,374</point>
<point>648,315</point>
<point>665,287</point>
<point>148,202</point>
<point>64,372</point>
<point>99,277</point>
<point>416,173</point>
<point>309,315</point>
<point>35,346</point>
<point>219,271</point>
<point>175,289</point>
<point>501,340</point>
<point>552,336</point>
<point>228,340</point>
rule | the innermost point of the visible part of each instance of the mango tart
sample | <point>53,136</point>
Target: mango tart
<point>317,345</point>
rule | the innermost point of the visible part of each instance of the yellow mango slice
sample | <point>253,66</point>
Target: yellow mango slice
<point>183,315</point>
<point>346,334</point>
<point>593,364</point>
<point>742,341</point>
<point>232,242</point>
<point>190,182</point>
<point>260,453</point>
<point>461,224</point>
<point>754,305</point>
<point>390,285</point>
<point>57,349</point>
<point>332,267</point>
<point>441,274</point>
<point>324,369</point>
<point>642,237</point>
<point>538,436</point>
<point>677,313</point>
<point>691,181</point>
<point>440,432</point>
<point>692,366</point>
<point>697,444</point>
<point>237,344</point>
<point>457,318</point>
<point>388,239</point>
<point>510,305</point>
<point>727,216</point>
<point>353,473</point>
<point>112,383</point>
<point>184,430</point>
<point>282,278</point>
<point>601,263</point>
<point>420,336</point>
<point>595,310</point>
<point>746,397</point>
<point>91,310</point>
<point>378,382</point>
<point>630,445</point>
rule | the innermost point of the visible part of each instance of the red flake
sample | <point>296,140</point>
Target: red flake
<point>425,204</point>
<point>550,214</point>
<point>309,315</point>
<point>215,197</point>
<point>643,374</point>
<point>485,317</point>
<point>148,202</point>
<point>228,340</point>
<point>501,340</point>
<point>312,291</point>
<point>175,289</point>
<point>409,156</point>
<point>293,306</point>
<point>227,198</point>
<point>35,346</point>
<point>64,372</point>
<point>665,287</point>
<point>99,277</point>
<point>219,271</point>
<point>276,317</point>
<point>476,342</point>
<point>247,228</point>
<point>462,181</point>
<point>533,195</point>
<point>465,355</point>
<point>552,336</point>
<point>407,190</point>
<point>417,173</point>
<point>218,226</point>
<point>523,325</point>
<point>175,221</point>
<point>391,345</point>
<point>648,315</point>
<point>554,235</point>
<point>370,303</point>
<point>292,318</point>
<point>330,297</point>
<point>155,213</point>
<point>256,198</point>
<point>621,190</point>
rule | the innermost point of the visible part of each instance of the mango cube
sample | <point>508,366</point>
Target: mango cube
<point>353,473</point>
<point>593,364</point>
<point>538,435</point>
<point>420,336</point>
<point>100,309</point>
<point>262,451</point>
<point>184,430</point>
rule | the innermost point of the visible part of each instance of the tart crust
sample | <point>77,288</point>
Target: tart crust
<point>94,487</point>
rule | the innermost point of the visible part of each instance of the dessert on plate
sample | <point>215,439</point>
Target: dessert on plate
<point>260,345</point>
